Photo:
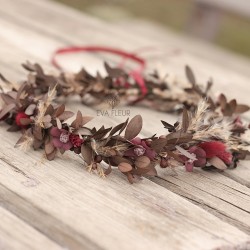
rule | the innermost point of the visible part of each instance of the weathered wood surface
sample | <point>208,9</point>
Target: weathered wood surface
<point>207,15</point>
<point>16,234</point>
<point>79,210</point>
<point>240,7</point>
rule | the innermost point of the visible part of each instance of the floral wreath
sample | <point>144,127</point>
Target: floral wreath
<point>210,134</point>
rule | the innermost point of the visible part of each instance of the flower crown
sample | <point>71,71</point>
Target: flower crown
<point>210,134</point>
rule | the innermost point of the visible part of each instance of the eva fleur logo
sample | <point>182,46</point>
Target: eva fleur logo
<point>113,100</point>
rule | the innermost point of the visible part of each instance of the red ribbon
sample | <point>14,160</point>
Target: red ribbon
<point>135,74</point>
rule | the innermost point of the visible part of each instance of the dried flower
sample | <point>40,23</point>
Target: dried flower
<point>61,138</point>
<point>75,140</point>
<point>18,118</point>
<point>140,148</point>
<point>194,157</point>
<point>216,148</point>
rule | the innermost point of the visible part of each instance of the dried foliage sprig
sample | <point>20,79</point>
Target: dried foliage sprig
<point>210,134</point>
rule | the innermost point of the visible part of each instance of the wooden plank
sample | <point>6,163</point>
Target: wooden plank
<point>17,235</point>
<point>88,30</point>
<point>98,210</point>
<point>221,196</point>
<point>241,92</point>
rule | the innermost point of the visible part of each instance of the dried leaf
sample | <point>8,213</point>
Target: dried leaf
<point>124,126</point>
<point>108,170</point>
<point>30,109</point>
<point>158,144</point>
<point>241,108</point>
<point>134,127</point>
<point>168,126</point>
<point>52,155</point>
<point>152,172</point>
<point>116,128</point>
<point>142,162</point>
<point>190,75</point>
<point>218,163</point>
<point>7,109</point>
<point>185,120</point>
<point>125,167</point>
<point>7,99</point>
<point>178,137</point>
<point>86,119</point>
<point>87,154</point>
<point>65,115</point>
<point>77,123</point>
<point>4,79</point>
<point>119,159</point>
<point>222,101</point>
<point>49,147</point>
<point>113,72</point>
<point>37,132</point>
<point>59,110</point>
<point>13,128</point>
<point>233,105</point>
<point>101,133</point>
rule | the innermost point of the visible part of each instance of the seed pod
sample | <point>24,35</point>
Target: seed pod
<point>164,163</point>
<point>124,167</point>
<point>98,158</point>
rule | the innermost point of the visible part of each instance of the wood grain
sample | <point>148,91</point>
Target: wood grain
<point>17,235</point>
<point>82,210</point>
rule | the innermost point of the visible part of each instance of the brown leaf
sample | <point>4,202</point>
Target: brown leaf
<point>7,99</point>
<point>52,155</point>
<point>4,79</point>
<point>140,171</point>
<point>185,120</point>
<point>86,119</point>
<point>241,108</point>
<point>37,132</point>
<point>87,154</point>
<point>233,105</point>
<point>113,72</point>
<point>116,160</point>
<point>65,115</point>
<point>77,123</point>
<point>125,167</point>
<point>158,144</point>
<point>37,144</point>
<point>152,172</point>
<point>178,137</point>
<point>142,162</point>
<point>59,110</point>
<point>101,133</point>
<point>222,101</point>
<point>13,128</point>
<point>190,75</point>
<point>50,110</point>
<point>124,126</point>
<point>116,129</point>
<point>134,127</point>
<point>49,147</point>
<point>7,109</point>
<point>218,163</point>
<point>108,170</point>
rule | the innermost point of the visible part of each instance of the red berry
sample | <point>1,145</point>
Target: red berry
<point>18,118</point>
<point>75,140</point>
